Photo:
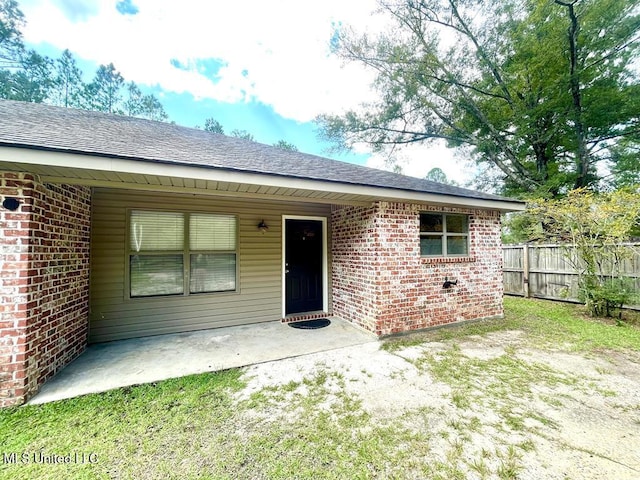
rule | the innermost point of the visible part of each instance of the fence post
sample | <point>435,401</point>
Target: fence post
<point>525,270</point>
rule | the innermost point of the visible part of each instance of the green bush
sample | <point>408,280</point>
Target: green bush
<point>605,297</point>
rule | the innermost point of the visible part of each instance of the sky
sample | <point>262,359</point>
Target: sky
<point>264,66</point>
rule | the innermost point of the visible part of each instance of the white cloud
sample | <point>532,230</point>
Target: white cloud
<point>282,45</point>
<point>276,52</point>
<point>417,160</point>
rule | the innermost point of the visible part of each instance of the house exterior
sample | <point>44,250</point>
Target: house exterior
<point>114,227</point>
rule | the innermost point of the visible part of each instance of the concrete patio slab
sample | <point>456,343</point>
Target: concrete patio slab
<point>106,366</point>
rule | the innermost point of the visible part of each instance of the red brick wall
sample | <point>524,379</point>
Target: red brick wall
<point>355,265</point>
<point>381,282</point>
<point>44,282</point>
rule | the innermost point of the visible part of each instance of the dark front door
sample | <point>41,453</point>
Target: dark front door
<point>303,266</point>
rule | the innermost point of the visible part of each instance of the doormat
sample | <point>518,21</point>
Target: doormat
<point>311,324</point>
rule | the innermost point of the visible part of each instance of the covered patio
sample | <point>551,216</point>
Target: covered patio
<point>105,366</point>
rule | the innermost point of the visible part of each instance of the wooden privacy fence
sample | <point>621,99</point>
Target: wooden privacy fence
<point>542,271</point>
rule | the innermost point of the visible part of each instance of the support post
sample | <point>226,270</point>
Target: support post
<point>525,271</point>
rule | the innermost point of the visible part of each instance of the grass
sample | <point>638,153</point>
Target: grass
<point>546,324</point>
<point>138,432</point>
<point>199,427</point>
<point>195,427</point>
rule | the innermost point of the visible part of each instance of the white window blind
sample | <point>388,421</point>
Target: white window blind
<point>156,231</point>
<point>212,232</point>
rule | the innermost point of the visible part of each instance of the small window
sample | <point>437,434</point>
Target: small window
<point>181,253</point>
<point>443,235</point>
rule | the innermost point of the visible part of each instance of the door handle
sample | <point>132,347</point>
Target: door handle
<point>286,271</point>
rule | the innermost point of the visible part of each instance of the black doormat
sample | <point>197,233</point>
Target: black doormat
<point>311,324</point>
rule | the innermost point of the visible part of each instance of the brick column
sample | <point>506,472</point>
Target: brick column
<point>44,282</point>
<point>355,265</point>
<point>15,230</point>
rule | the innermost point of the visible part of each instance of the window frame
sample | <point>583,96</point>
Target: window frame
<point>186,253</point>
<point>445,235</point>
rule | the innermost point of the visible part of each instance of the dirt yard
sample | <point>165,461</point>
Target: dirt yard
<point>489,406</point>
<point>544,393</point>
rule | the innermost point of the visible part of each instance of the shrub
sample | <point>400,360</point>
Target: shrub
<point>596,228</point>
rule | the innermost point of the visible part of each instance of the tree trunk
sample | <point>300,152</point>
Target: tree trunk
<point>582,156</point>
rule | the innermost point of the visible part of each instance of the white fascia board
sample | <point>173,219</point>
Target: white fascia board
<point>150,167</point>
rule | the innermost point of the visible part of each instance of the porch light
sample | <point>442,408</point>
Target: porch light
<point>263,227</point>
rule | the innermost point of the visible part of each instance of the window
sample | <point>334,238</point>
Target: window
<point>181,253</point>
<point>444,235</point>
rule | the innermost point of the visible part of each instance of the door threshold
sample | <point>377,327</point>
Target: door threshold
<point>297,317</point>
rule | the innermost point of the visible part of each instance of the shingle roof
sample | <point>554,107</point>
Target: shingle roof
<point>78,131</point>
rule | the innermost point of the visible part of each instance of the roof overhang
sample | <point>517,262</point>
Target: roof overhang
<point>136,174</point>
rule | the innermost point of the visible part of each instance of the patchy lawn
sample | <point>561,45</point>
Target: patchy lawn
<point>544,393</point>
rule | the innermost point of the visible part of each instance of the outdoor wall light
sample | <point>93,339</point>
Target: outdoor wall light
<point>11,203</point>
<point>263,227</point>
<point>449,283</point>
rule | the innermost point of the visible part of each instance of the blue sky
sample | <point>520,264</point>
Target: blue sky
<point>264,66</point>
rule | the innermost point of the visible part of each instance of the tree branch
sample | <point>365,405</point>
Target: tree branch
<point>482,53</point>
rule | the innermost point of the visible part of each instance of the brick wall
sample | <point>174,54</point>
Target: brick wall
<point>381,282</point>
<point>355,265</point>
<point>44,284</point>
